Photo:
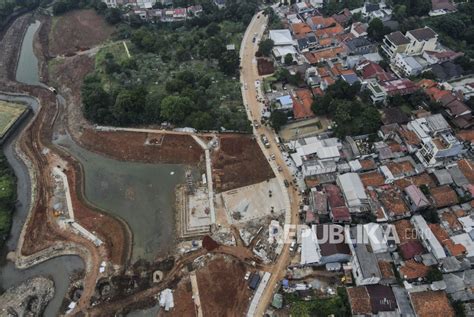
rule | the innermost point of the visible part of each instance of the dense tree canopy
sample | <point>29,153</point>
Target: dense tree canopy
<point>351,116</point>
<point>7,198</point>
<point>377,30</point>
<point>265,47</point>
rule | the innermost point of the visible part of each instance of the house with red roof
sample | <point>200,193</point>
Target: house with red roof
<point>302,101</point>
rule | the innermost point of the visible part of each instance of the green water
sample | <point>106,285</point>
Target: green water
<point>141,194</point>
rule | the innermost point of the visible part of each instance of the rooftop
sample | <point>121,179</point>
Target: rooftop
<point>341,214</point>
<point>373,178</point>
<point>416,196</point>
<point>467,168</point>
<point>386,269</point>
<point>329,248</point>
<point>359,300</point>
<point>405,230</point>
<point>397,38</point>
<point>411,249</point>
<point>382,298</point>
<point>335,198</point>
<point>393,202</point>
<point>400,168</point>
<point>442,236</point>
<point>281,37</point>
<point>352,188</point>
<point>302,101</point>
<point>444,196</point>
<point>430,303</point>
<point>418,180</point>
<point>423,34</point>
<point>412,270</point>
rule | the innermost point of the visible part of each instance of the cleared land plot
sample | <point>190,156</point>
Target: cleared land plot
<point>254,201</point>
<point>303,128</point>
<point>239,162</point>
<point>78,30</point>
<point>220,293</point>
<point>9,113</point>
<point>131,146</point>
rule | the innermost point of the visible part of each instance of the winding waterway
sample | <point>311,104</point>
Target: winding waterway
<point>27,69</point>
<point>141,194</point>
<point>60,268</point>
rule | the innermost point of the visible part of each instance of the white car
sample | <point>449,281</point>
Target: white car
<point>247,275</point>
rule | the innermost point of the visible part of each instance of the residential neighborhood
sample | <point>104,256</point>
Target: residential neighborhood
<point>412,176</point>
<point>237,158</point>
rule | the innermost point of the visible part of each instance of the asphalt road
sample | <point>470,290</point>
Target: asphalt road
<point>249,77</point>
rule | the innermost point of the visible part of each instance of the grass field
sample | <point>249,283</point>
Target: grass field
<point>9,113</point>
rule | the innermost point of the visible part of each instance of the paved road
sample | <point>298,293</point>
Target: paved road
<point>249,77</point>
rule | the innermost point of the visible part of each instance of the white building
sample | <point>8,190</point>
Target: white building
<point>423,39</point>
<point>281,37</point>
<point>414,42</point>
<point>110,3</point>
<point>438,142</point>
<point>353,191</point>
<point>406,65</point>
<point>364,263</point>
<point>376,238</point>
<point>310,251</point>
<point>428,238</point>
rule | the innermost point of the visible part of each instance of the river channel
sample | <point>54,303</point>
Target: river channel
<point>141,194</point>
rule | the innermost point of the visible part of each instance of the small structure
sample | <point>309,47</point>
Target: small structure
<point>353,191</point>
<point>166,299</point>
<point>417,200</point>
<point>428,238</point>
<point>254,280</point>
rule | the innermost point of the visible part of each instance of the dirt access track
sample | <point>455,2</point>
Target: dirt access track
<point>220,293</point>
<point>77,30</point>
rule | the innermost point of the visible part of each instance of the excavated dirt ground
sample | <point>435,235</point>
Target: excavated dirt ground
<point>221,293</point>
<point>130,146</point>
<point>78,30</point>
<point>239,162</point>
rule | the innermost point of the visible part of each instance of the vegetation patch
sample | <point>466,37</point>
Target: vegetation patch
<point>337,305</point>
<point>185,73</point>
<point>7,198</point>
<point>9,113</point>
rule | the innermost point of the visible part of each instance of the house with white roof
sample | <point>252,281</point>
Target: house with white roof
<point>281,37</point>
<point>427,237</point>
<point>353,191</point>
<point>310,251</point>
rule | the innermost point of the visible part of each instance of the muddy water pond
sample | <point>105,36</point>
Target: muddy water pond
<point>139,193</point>
<point>27,69</point>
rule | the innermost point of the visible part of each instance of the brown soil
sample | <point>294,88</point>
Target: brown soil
<point>110,230</point>
<point>221,293</point>
<point>130,146</point>
<point>239,162</point>
<point>78,30</point>
<point>184,303</point>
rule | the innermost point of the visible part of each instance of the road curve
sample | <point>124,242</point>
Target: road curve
<point>248,77</point>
